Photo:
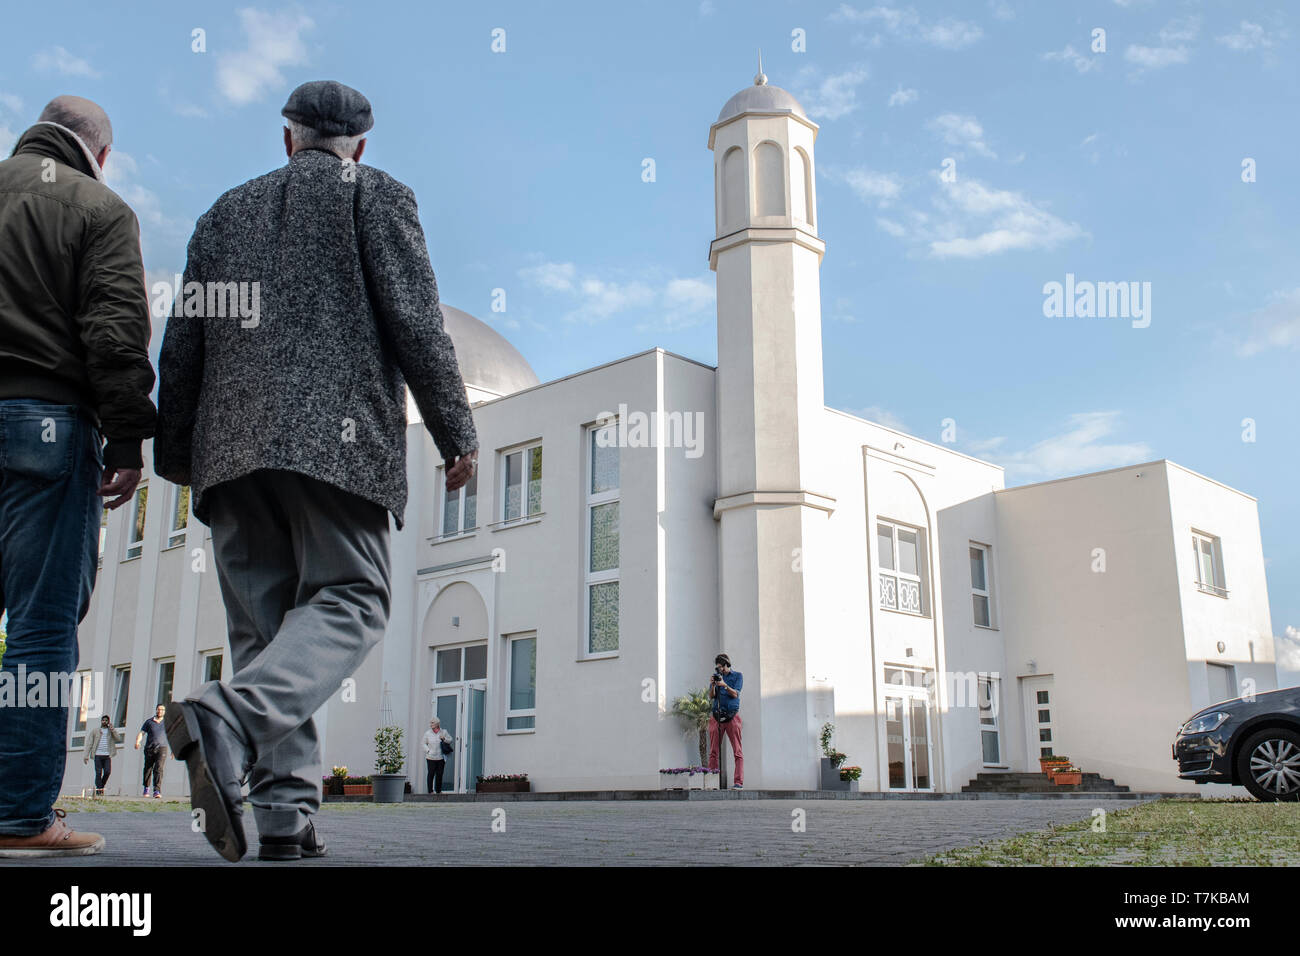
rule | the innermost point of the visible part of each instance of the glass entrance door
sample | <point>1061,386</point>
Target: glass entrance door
<point>447,708</point>
<point>907,737</point>
<point>475,715</point>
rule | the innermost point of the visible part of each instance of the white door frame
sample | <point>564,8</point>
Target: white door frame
<point>1029,688</point>
<point>909,697</point>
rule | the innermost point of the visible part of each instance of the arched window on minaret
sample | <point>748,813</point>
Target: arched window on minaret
<point>769,180</point>
<point>801,186</point>
<point>733,190</point>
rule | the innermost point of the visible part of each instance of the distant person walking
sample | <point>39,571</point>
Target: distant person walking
<point>724,689</point>
<point>287,417</point>
<point>102,745</point>
<point>74,370</point>
<point>154,736</point>
<point>437,744</point>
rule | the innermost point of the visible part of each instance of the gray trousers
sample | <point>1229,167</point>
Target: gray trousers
<point>304,571</point>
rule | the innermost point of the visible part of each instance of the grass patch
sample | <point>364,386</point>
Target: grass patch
<point>1230,832</point>
<point>122,804</point>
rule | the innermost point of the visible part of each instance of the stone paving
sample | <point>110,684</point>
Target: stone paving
<point>613,833</point>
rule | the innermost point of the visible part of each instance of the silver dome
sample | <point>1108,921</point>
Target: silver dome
<point>761,98</point>
<point>487,361</point>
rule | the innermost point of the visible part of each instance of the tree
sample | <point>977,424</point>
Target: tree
<point>693,709</point>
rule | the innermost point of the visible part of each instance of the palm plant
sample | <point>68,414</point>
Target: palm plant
<point>693,709</point>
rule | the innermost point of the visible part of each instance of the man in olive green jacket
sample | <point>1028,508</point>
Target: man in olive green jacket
<point>74,370</point>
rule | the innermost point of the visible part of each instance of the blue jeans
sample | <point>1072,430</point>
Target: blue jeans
<point>51,460</point>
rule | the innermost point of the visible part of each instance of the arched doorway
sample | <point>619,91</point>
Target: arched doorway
<point>455,676</point>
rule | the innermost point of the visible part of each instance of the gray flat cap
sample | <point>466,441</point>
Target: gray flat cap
<point>329,108</point>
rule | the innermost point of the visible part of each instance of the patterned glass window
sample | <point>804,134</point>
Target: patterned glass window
<point>603,513</point>
<point>901,555</point>
<point>522,493</point>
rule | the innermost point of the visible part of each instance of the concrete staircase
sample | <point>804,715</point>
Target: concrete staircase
<point>1039,783</point>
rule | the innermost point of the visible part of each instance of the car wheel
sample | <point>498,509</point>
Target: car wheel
<point>1268,764</point>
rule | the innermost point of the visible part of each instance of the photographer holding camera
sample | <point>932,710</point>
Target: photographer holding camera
<point>724,689</point>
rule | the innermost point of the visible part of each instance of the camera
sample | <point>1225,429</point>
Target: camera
<point>717,677</point>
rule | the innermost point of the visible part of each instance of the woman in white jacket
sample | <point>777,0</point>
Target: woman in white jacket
<point>101,743</point>
<point>434,759</point>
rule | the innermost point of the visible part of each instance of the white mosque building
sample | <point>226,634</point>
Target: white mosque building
<point>630,521</point>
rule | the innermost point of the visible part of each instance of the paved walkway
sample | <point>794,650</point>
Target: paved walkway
<point>618,833</point>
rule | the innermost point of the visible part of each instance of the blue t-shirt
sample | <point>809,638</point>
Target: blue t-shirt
<point>723,701</point>
<point>155,732</point>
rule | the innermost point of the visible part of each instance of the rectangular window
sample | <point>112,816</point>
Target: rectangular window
<point>135,528</point>
<point>212,662</point>
<point>990,731</point>
<point>521,712</point>
<point>1209,564</point>
<point>459,507</point>
<point>82,711</point>
<point>980,585</point>
<point>166,675</point>
<point>602,558</point>
<point>901,554</point>
<point>180,515</point>
<point>121,694</point>
<point>448,665</point>
<point>522,483</point>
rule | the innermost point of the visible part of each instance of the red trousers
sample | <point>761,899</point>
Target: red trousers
<point>732,729</point>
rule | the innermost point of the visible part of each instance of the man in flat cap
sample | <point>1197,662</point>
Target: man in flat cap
<point>289,425</point>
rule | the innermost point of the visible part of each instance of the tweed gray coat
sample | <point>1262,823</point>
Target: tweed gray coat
<point>306,375</point>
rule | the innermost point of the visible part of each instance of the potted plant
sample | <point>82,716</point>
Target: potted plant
<point>830,762</point>
<point>1067,776</point>
<point>851,775</point>
<point>693,709</point>
<point>390,758</point>
<point>357,787</point>
<point>333,784</point>
<point>1047,764</point>
<point>503,783</point>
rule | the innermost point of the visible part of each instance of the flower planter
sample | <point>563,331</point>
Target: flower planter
<point>503,786</point>
<point>333,786</point>
<point>830,777</point>
<point>1048,764</point>
<point>389,787</point>
<point>1065,778</point>
<point>358,789</point>
<point>693,780</point>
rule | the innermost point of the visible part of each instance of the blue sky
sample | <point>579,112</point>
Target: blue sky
<point>1122,165</point>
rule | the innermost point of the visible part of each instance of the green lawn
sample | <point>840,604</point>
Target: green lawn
<point>1161,833</point>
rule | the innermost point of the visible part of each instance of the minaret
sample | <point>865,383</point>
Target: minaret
<point>771,407</point>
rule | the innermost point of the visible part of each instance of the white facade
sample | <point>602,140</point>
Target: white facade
<point>853,573</point>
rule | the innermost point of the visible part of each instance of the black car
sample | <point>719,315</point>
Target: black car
<point>1251,742</point>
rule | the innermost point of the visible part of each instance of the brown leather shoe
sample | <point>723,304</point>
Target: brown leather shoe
<point>58,840</point>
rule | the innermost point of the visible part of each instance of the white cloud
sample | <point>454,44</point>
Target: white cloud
<point>1081,448</point>
<point>552,276</point>
<point>906,24</point>
<point>879,415</point>
<point>1002,10</point>
<point>867,184</point>
<point>982,221</point>
<point>1172,49</point>
<point>706,8</point>
<point>1286,650</point>
<point>1250,36</point>
<point>274,41</point>
<point>1081,63</point>
<point>958,130</point>
<point>668,305</point>
<point>1276,325</point>
<point>834,96</point>
<point>7,140</point>
<point>11,102</point>
<point>58,60</point>
<point>902,97</point>
<point>161,235</point>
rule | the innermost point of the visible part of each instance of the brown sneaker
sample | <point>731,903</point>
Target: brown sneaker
<point>58,840</point>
